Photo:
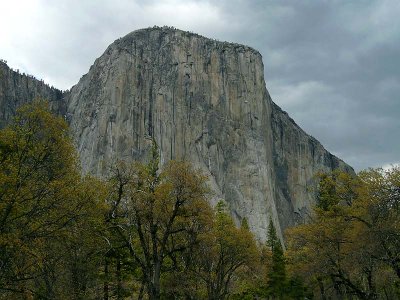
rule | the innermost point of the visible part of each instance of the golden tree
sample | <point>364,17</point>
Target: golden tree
<point>351,246</point>
<point>158,215</point>
<point>223,255</point>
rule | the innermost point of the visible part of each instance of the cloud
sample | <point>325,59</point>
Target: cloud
<point>59,40</point>
<point>333,65</point>
<point>390,166</point>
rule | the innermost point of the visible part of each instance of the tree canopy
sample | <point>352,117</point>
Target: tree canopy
<point>148,231</point>
<point>350,248</point>
<point>45,204</point>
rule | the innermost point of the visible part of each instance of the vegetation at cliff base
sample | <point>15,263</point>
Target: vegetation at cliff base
<point>350,248</point>
<point>49,213</point>
<point>148,231</point>
<point>144,232</point>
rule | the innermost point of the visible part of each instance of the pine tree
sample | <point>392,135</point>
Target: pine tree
<point>277,273</point>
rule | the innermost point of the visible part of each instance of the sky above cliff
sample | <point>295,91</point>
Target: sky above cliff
<point>334,66</point>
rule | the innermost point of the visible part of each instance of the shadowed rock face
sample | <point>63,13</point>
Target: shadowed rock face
<point>297,157</point>
<point>204,101</point>
<point>17,89</point>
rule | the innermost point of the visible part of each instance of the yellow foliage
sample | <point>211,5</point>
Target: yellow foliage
<point>354,242</point>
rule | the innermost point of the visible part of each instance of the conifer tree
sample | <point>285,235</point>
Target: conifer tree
<point>277,273</point>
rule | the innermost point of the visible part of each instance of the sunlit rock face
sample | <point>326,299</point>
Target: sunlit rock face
<point>203,101</point>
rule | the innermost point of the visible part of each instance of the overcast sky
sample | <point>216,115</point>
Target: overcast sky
<point>334,66</point>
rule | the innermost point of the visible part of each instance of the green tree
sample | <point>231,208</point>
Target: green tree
<point>277,272</point>
<point>43,203</point>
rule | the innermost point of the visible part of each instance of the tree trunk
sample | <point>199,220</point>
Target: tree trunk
<point>105,287</point>
<point>321,289</point>
<point>141,292</point>
<point>155,285</point>
<point>119,280</point>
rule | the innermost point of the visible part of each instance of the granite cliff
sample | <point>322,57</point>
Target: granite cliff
<point>201,100</point>
<point>17,89</point>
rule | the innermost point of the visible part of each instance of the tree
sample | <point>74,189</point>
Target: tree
<point>320,253</point>
<point>277,273</point>
<point>351,245</point>
<point>378,210</point>
<point>159,215</point>
<point>223,254</point>
<point>83,246</point>
<point>336,188</point>
<point>43,202</point>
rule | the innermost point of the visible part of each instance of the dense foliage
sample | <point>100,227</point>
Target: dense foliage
<point>148,232</point>
<point>351,246</point>
<point>144,232</point>
<point>48,213</point>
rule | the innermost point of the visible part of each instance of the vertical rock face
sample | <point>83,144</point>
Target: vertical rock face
<point>206,102</point>
<point>297,157</point>
<point>201,100</point>
<point>17,89</point>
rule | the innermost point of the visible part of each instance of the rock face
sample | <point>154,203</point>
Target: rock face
<point>206,102</point>
<point>297,157</point>
<point>201,100</point>
<point>17,89</point>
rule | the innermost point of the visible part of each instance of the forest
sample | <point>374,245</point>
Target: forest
<point>148,231</point>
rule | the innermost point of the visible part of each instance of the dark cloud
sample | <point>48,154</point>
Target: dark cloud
<point>333,65</point>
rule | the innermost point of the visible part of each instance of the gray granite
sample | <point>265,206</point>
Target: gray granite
<point>204,101</point>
